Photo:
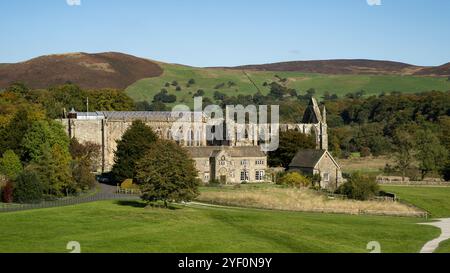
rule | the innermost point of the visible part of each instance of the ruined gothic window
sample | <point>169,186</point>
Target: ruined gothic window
<point>326,177</point>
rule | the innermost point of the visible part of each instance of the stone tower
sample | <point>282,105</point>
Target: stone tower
<point>314,116</point>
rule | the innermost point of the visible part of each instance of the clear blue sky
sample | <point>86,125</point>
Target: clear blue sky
<point>231,32</point>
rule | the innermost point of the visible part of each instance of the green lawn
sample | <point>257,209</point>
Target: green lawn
<point>116,227</point>
<point>207,79</point>
<point>435,200</point>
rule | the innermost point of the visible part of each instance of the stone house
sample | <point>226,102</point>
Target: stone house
<point>318,162</point>
<point>230,165</point>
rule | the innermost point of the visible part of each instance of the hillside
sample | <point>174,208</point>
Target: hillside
<point>208,79</point>
<point>144,78</point>
<point>103,70</point>
<point>353,67</point>
<point>443,70</point>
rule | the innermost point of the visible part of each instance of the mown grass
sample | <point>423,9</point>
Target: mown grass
<point>435,200</point>
<point>207,79</point>
<point>110,226</point>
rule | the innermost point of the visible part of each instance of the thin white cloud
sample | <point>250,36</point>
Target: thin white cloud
<point>73,2</point>
<point>374,2</point>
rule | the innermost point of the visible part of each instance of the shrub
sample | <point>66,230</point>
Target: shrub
<point>28,188</point>
<point>7,193</point>
<point>10,164</point>
<point>365,152</point>
<point>129,185</point>
<point>294,179</point>
<point>82,175</point>
<point>178,88</point>
<point>359,187</point>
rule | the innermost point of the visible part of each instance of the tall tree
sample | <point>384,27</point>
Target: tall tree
<point>53,169</point>
<point>403,151</point>
<point>167,173</point>
<point>290,143</point>
<point>430,153</point>
<point>132,147</point>
<point>43,133</point>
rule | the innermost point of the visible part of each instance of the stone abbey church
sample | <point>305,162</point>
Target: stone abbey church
<point>236,160</point>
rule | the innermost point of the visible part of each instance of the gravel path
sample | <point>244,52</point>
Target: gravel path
<point>444,225</point>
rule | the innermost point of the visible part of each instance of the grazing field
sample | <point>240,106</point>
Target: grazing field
<point>113,226</point>
<point>435,200</point>
<point>208,78</point>
<point>280,198</point>
<point>373,165</point>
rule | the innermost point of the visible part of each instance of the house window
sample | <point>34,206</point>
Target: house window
<point>259,162</point>
<point>244,176</point>
<point>259,175</point>
<point>244,162</point>
<point>206,177</point>
<point>326,177</point>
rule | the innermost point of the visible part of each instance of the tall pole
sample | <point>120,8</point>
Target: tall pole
<point>87,106</point>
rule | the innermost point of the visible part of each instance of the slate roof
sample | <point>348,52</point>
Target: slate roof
<point>307,158</point>
<point>206,152</point>
<point>132,115</point>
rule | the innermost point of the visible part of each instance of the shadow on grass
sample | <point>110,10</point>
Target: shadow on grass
<point>141,204</point>
<point>134,204</point>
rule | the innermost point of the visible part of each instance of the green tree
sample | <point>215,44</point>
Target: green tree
<point>403,151</point>
<point>359,187</point>
<point>43,133</point>
<point>290,143</point>
<point>11,135</point>
<point>132,147</point>
<point>10,165</point>
<point>85,158</point>
<point>430,153</point>
<point>167,173</point>
<point>28,188</point>
<point>53,169</point>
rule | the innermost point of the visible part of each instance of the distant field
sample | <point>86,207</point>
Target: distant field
<point>373,165</point>
<point>435,200</point>
<point>207,79</point>
<point>128,227</point>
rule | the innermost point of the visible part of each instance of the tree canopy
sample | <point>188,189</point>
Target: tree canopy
<point>132,147</point>
<point>167,173</point>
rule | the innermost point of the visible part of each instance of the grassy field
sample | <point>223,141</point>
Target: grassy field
<point>208,79</point>
<point>281,198</point>
<point>129,227</point>
<point>372,165</point>
<point>435,200</point>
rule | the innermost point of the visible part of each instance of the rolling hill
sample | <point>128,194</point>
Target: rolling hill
<point>142,78</point>
<point>218,79</point>
<point>338,67</point>
<point>103,70</point>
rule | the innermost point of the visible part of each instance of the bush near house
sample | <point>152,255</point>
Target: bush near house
<point>294,179</point>
<point>359,187</point>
